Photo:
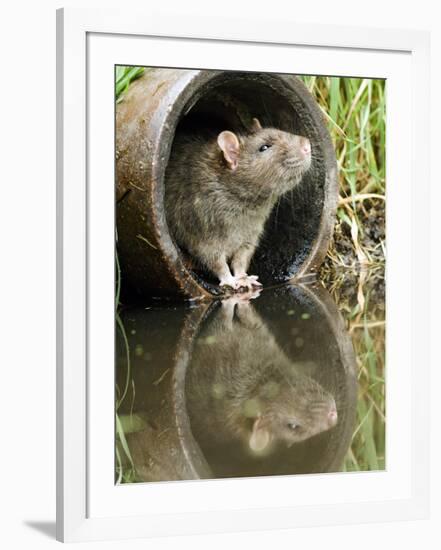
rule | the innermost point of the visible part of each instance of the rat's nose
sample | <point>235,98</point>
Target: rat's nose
<point>332,417</point>
<point>305,146</point>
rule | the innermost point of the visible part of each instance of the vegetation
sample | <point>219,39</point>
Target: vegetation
<point>124,76</point>
<point>355,112</point>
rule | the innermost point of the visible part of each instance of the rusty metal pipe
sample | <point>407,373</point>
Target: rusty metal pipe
<point>298,233</point>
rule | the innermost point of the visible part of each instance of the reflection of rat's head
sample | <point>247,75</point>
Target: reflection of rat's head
<point>266,157</point>
<point>290,409</point>
<point>242,386</point>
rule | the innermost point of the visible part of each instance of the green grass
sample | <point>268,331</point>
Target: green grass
<point>362,305</point>
<point>124,76</point>
<point>124,466</point>
<point>355,112</point>
<point>368,443</point>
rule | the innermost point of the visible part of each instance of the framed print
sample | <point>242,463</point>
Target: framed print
<point>236,351</point>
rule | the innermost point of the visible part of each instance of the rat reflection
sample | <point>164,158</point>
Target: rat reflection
<point>242,387</point>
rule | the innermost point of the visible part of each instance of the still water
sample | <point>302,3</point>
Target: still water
<point>263,384</point>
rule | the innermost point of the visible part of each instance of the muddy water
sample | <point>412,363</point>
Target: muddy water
<point>250,386</point>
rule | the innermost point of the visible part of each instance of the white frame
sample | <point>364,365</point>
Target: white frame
<point>104,499</point>
<point>73,523</point>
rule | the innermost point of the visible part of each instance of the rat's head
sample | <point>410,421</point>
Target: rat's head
<point>271,161</point>
<point>298,410</point>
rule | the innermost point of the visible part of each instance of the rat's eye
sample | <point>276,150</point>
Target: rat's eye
<point>264,147</point>
<point>292,426</point>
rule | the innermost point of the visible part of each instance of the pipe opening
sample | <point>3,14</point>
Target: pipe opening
<point>294,224</point>
<point>167,102</point>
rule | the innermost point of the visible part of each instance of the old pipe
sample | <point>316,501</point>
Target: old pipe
<point>162,102</point>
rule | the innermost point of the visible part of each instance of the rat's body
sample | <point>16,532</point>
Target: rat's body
<point>220,192</point>
<point>241,386</point>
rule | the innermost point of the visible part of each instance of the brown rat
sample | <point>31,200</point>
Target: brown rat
<point>241,385</point>
<point>220,191</point>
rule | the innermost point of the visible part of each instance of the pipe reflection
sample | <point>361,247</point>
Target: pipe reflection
<point>239,388</point>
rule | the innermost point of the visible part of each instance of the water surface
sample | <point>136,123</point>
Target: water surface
<point>247,387</point>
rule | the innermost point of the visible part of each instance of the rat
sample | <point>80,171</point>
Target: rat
<point>220,191</point>
<point>241,385</point>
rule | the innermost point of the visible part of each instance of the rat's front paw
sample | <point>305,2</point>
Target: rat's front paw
<point>249,282</point>
<point>240,283</point>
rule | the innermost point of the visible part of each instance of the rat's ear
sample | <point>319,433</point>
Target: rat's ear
<point>260,437</point>
<point>255,126</point>
<point>229,144</point>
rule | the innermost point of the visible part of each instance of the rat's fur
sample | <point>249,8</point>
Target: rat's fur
<point>217,202</point>
<point>241,385</point>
